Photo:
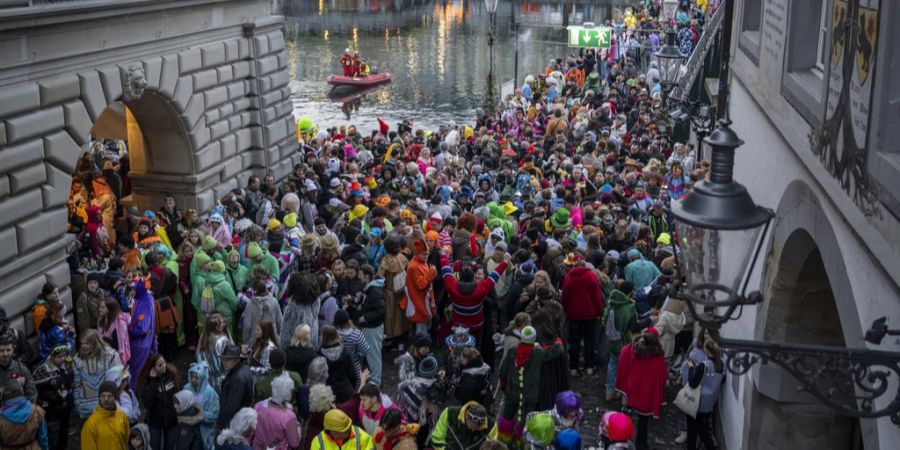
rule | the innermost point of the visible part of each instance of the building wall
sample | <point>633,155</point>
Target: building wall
<point>782,166</point>
<point>215,109</point>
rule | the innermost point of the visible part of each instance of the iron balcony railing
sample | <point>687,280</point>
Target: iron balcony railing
<point>694,64</point>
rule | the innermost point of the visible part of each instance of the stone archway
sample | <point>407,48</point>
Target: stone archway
<point>809,300</point>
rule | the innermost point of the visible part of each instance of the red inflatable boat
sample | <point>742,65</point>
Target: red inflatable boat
<point>371,80</point>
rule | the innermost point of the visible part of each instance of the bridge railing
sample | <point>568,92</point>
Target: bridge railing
<point>695,62</point>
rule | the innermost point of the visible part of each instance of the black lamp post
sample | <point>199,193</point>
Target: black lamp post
<point>670,61</point>
<point>719,235</point>
<point>490,100</point>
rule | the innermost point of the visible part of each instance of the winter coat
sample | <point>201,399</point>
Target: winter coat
<point>158,399</point>
<point>22,425</point>
<point>296,314</point>
<point>641,377</point>
<point>669,325</point>
<point>370,313</point>
<point>468,298</point>
<point>581,296</point>
<point>210,402</point>
<point>237,393</point>
<point>355,343</point>
<point>298,360</point>
<point>548,318</point>
<point>263,388</point>
<point>105,430</point>
<point>87,310</point>
<point>419,276</point>
<point>187,436</point>
<point>343,378</point>
<point>625,318</point>
<point>451,433</point>
<point>474,382</point>
<point>260,308</point>
<point>394,317</point>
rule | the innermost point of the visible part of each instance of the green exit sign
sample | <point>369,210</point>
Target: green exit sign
<point>589,37</point>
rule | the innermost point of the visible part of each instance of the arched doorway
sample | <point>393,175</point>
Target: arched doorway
<point>802,310</point>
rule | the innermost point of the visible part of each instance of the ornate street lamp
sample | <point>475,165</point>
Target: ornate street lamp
<point>718,218</point>
<point>490,96</point>
<point>670,60</point>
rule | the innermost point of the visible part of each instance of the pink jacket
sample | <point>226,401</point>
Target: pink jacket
<point>120,326</point>
<point>275,427</point>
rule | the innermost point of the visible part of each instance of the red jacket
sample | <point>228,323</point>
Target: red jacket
<point>468,309</point>
<point>581,295</point>
<point>641,377</point>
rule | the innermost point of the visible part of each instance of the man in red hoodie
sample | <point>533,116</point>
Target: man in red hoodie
<point>582,300</point>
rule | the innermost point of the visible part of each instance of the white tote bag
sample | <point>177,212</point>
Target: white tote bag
<point>688,399</point>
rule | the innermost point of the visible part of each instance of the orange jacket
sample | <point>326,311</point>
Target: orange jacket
<point>419,276</point>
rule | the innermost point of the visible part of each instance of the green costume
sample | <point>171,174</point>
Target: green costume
<point>624,315</point>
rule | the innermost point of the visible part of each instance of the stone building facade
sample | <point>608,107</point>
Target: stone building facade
<point>206,81</point>
<point>814,96</point>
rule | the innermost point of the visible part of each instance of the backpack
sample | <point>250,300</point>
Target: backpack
<point>207,300</point>
<point>612,334</point>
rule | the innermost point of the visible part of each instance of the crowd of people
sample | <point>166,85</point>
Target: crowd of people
<point>501,260</point>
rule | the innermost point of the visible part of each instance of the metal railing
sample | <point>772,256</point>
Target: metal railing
<point>695,62</point>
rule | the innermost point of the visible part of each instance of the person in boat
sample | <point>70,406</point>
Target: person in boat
<point>347,63</point>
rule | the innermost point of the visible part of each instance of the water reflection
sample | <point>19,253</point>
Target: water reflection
<point>436,50</point>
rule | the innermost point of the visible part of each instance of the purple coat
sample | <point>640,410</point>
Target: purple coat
<point>141,330</point>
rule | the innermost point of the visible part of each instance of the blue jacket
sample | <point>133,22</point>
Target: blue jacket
<point>711,384</point>
<point>18,411</point>
<point>210,402</point>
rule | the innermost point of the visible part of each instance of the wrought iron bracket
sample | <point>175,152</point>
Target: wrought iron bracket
<point>848,380</point>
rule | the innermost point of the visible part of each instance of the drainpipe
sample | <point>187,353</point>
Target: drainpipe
<point>249,31</point>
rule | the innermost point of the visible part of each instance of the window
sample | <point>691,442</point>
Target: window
<point>821,44</point>
<point>751,21</point>
<point>806,57</point>
<point>883,152</point>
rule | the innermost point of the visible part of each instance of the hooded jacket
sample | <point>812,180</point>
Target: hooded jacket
<point>641,376</point>
<point>260,308</point>
<point>625,318</point>
<point>106,429</point>
<point>226,299</point>
<point>581,297</point>
<point>144,430</point>
<point>22,425</point>
<point>210,402</point>
<point>342,375</point>
<point>451,433</point>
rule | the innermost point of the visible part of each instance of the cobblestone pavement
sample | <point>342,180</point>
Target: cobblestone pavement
<point>662,431</point>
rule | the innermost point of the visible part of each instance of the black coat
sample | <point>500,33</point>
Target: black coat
<point>342,375</point>
<point>237,393</point>
<point>474,383</point>
<point>372,307</point>
<point>157,398</point>
<point>298,360</point>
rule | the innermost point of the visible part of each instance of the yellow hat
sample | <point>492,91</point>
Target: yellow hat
<point>273,224</point>
<point>509,208</point>
<point>336,420</point>
<point>290,220</point>
<point>359,211</point>
<point>664,239</point>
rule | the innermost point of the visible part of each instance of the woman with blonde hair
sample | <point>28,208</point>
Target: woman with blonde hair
<point>92,364</point>
<point>300,353</point>
<point>211,345</point>
<point>671,321</point>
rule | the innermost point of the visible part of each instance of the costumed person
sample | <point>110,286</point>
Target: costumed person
<point>94,361</point>
<point>641,377</point>
<point>141,330</point>
<point>518,370</point>
<point>277,426</point>
<point>239,432</point>
<point>461,427</point>
<point>22,424</point>
<point>393,434</point>
<point>198,383</point>
<point>54,380</point>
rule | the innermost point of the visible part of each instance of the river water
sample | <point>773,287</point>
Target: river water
<point>437,51</point>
